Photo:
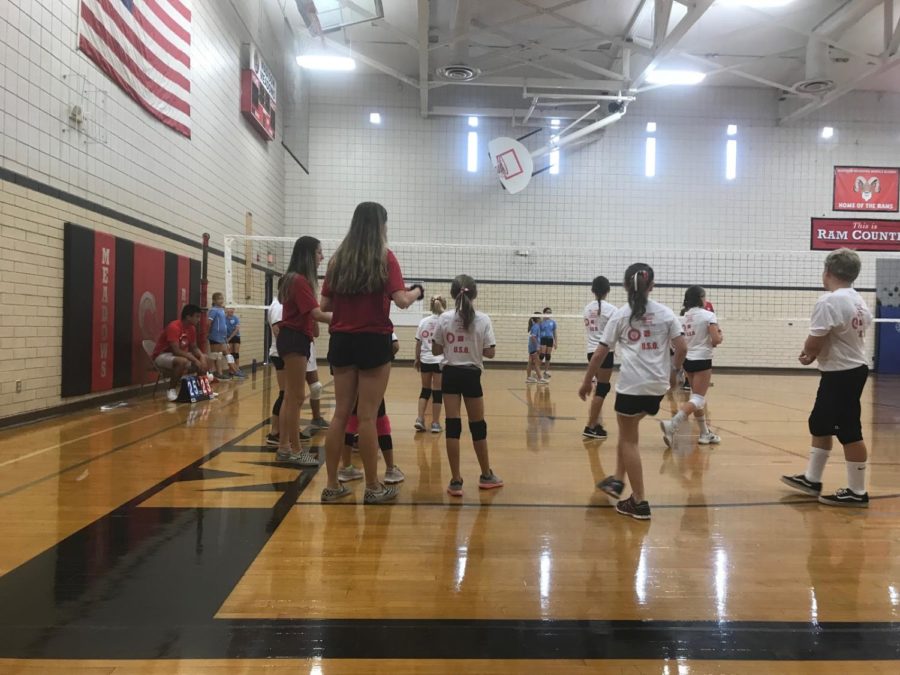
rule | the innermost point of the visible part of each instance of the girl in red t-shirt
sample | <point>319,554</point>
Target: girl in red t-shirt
<point>297,293</point>
<point>363,278</point>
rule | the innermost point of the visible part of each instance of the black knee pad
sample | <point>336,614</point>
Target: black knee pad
<point>425,393</point>
<point>602,389</point>
<point>548,355</point>
<point>850,434</point>
<point>453,426</point>
<point>437,396</point>
<point>385,442</point>
<point>348,439</point>
<point>276,409</point>
<point>478,430</point>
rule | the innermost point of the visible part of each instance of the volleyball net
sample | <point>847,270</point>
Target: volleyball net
<point>763,299</point>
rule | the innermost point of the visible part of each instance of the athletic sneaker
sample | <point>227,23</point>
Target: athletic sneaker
<point>172,395</point>
<point>223,377</point>
<point>531,380</point>
<point>380,495</point>
<point>394,475</point>
<point>490,481</point>
<point>594,432</point>
<point>333,494</point>
<point>282,455</point>
<point>349,474</point>
<point>611,486</point>
<point>436,428</point>
<point>600,431</point>
<point>455,488</point>
<point>543,380</point>
<point>846,497</point>
<point>304,459</point>
<point>320,423</point>
<point>547,374</point>
<point>638,510</point>
<point>239,374</point>
<point>709,439</point>
<point>420,424</point>
<point>668,430</point>
<point>802,484</point>
<point>304,436</point>
<point>272,439</point>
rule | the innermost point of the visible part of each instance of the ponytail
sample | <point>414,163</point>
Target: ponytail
<point>438,305</point>
<point>463,290</point>
<point>600,288</point>
<point>638,280</point>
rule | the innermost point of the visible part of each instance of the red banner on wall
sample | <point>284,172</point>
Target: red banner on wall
<point>866,188</point>
<point>147,310</point>
<point>102,338</point>
<point>856,233</point>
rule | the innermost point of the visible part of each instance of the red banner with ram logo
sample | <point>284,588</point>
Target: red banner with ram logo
<point>866,188</point>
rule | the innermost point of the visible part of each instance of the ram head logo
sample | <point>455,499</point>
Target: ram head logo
<point>865,188</point>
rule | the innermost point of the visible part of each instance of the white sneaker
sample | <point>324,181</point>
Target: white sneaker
<point>531,380</point>
<point>668,430</point>
<point>394,475</point>
<point>172,395</point>
<point>709,439</point>
<point>420,424</point>
<point>543,381</point>
<point>349,473</point>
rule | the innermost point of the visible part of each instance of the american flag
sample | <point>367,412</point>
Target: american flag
<point>144,47</point>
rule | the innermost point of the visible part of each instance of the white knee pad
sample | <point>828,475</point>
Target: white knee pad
<point>229,358</point>
<point>315,391</point>
<point>698,401</point>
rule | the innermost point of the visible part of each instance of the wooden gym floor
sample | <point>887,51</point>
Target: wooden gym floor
<point>163,538</point>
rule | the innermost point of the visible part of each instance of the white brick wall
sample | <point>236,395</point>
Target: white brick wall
<point>601,208</point>
<point>144,170</point>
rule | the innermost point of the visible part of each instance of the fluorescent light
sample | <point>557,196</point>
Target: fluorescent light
<point>375,118</point>
<point>827,132</point>
<point>731,130</point>
<point>675,77</point>
<point>472,152</point>
<point>554,123</point>
<point>473,121</point>
<point>650,158</point>
<point>756,4</point>
<point>325,62</point>
<point>731,160</point>
<point>651,127</point>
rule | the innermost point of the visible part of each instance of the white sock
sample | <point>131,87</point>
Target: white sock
<point>816,467</point>
<point>704,429</point>
<point>678,419</point>
<point>856,477</point>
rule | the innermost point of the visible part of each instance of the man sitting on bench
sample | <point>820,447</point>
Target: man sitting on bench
<point>176,349</point>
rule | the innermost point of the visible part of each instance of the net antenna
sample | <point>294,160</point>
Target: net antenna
<point>515,164</point>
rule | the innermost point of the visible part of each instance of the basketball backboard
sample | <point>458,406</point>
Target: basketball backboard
<point>327,16</point>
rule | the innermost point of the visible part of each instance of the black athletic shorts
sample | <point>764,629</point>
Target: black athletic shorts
<point>236,340</point>
<point>607,362</point>
<point>277,361</point>
<point>464,381</point>
<point>430,367</point>
<point>631,406</point>
<point>837,410</point>
<point>292,341</point>
<point>697,366</point>
<point>364,351</point>
<point>215,342</point>
<point>546,342</point>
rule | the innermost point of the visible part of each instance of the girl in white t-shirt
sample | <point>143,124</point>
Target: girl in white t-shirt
<point>643,330</point>
<point>596,316</point>
<point>429,366</point>
<point>702,333</point>
<point>465,337</point>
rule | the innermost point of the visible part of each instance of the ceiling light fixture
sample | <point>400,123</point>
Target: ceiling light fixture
<point>326,62</point>
<point>675,77</point>
<point>827,132</point>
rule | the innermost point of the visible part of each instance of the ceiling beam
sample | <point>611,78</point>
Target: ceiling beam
<point>374,63</point>
<point>736,69</point>
<point>895,39</point>
<point>489,80</point>
<point>888,24</point>
<point>424,18</point>
<point>662,12</point>
<point>660,51</point>
<point>561,56</point>
<point>846,88</point>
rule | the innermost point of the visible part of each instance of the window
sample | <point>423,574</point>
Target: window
<point>732,129</point>
<point>651,127</point>
<point>650,157</point>
<point>554,123</point>
<point>374,118</point>
<point>731,159</point>
<point>472,150</point>
<point>827,132</point>
<point>473,121</point>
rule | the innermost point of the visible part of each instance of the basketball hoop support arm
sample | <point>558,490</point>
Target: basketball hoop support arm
<point>575,135</point>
